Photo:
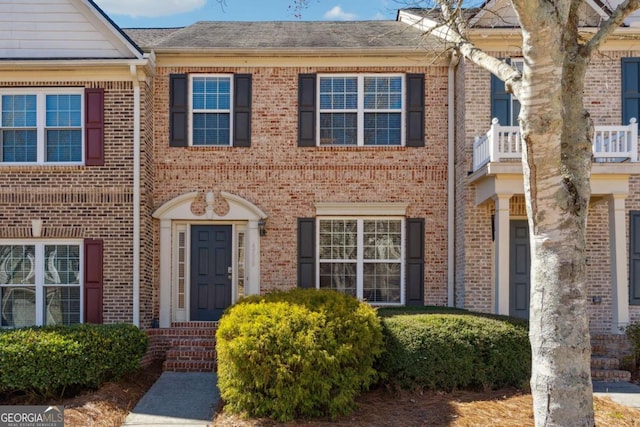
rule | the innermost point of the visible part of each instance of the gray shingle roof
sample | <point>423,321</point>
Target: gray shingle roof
<point>145,37</point>
<point>295,35</point>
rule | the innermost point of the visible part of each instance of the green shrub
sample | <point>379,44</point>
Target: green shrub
<point>633,335</point>
<point>301,353</point>
<point>451,351</point>
<point>46,361</point>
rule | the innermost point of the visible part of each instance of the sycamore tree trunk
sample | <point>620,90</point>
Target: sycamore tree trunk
<point>556,131</point>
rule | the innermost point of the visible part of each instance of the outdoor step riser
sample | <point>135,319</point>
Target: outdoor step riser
<point>208,344</point>
<point>610,375</point>
<point>179,354</point>
<point>605,363</point>
<point>189,366</point>
<point>185,333</point>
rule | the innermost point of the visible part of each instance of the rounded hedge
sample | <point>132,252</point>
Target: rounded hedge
<point>46,361</point>
<point>452,351</point>
<point>301,353</point>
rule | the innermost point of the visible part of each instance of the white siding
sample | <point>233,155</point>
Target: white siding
<point>56,29</point>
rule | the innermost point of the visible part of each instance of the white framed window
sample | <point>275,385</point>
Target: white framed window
<point>41,126</point>
<point>362,257</point>
<point>210,106</point>
<point>361,110</point>
<point>40,283</point>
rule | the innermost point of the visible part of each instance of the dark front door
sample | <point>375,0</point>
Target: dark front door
<point>519,269</point>
<point>210,271</point>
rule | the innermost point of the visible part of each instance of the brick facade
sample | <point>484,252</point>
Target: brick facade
<point>285,180</point>
<point>474,246</point>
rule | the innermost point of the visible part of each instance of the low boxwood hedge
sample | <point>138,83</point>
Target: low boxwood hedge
<point>452,351</point>
<point>301,353</point>
<point>46,361</point>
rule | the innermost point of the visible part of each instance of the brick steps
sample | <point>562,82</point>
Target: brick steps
<point>610,375</point>
<point>605,362</point>
<point>187,346</point>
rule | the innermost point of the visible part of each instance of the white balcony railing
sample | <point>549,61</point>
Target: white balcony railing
<point>610,144</point>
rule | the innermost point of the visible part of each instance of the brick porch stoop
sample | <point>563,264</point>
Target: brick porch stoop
<point>184,347</point>
<point>606,353</point>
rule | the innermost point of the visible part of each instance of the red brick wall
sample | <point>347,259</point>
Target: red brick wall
<point>285,181</point>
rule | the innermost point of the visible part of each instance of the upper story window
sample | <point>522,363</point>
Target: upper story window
<point>361,110</point>
<point>504,105</point>
<point>41,127</point>
<point>211,110</point>
<point>40,283</point>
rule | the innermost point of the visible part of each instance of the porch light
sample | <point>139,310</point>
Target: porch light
<point>261,228</point>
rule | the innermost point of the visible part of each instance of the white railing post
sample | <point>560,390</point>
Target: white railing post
<point>494,140</point>
<point>633,146</point>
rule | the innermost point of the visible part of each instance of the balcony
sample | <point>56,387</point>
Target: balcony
<point>611,144</point>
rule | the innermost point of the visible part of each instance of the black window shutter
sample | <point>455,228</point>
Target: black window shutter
<point>307,110</point>
<point>242,110</point>
<point>306,252</point>
<point>93,280</point>
<point>415,110</point>
<point>415,261</point>
<point>178,107</point>
<point>500,101</point>
<point>634,257</point>
<point>630,89</point>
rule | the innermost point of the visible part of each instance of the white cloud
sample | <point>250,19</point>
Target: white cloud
<point>337,13</point>
<point>149,8</point>
<point>379,16</point>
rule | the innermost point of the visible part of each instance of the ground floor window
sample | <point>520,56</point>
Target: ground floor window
<point>40,283</point>
<point>362,257</point>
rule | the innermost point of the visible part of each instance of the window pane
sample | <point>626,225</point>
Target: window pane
<point>62,264</point>
<point>381,282</point>
<point>211,93</point>
<point>338,93</point>
<point>18,305</point>
<point>64,145</point>
<point>211,129</point>
<point>382,128</point>
<point>17,264</point>
<point>63,111</point>
<point>338,128</point>
<point>338,239</point>
<point>338,276</point>
<point>382,93</point>
<point>62,305</point>
<point>19,111</point>
<point>19,145</point>
<point>382,240</point>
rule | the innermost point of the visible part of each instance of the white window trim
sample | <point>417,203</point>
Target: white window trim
<point>360,254</point>
<point>39,284</point>
<point>192,111</point>
<point>519,64</point>
<point>361,110</point>
<point>41,121</point>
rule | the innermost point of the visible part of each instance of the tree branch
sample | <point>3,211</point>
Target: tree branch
<point>617,17</point>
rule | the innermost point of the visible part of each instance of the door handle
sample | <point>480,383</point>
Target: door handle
<point>229,272</point>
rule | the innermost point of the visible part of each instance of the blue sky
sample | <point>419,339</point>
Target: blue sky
<point>176,13</point>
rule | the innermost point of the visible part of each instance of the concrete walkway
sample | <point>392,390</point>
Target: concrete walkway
<point>177,399</point>
<point>626,394</point>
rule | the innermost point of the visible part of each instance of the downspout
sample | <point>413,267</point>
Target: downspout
<point>451,141</point>
<point>136,195</point>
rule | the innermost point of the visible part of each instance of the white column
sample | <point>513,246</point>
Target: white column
<point>165,273</point>
<point>252,284</point>
<point>618,254</point>
<point>501,253</point>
